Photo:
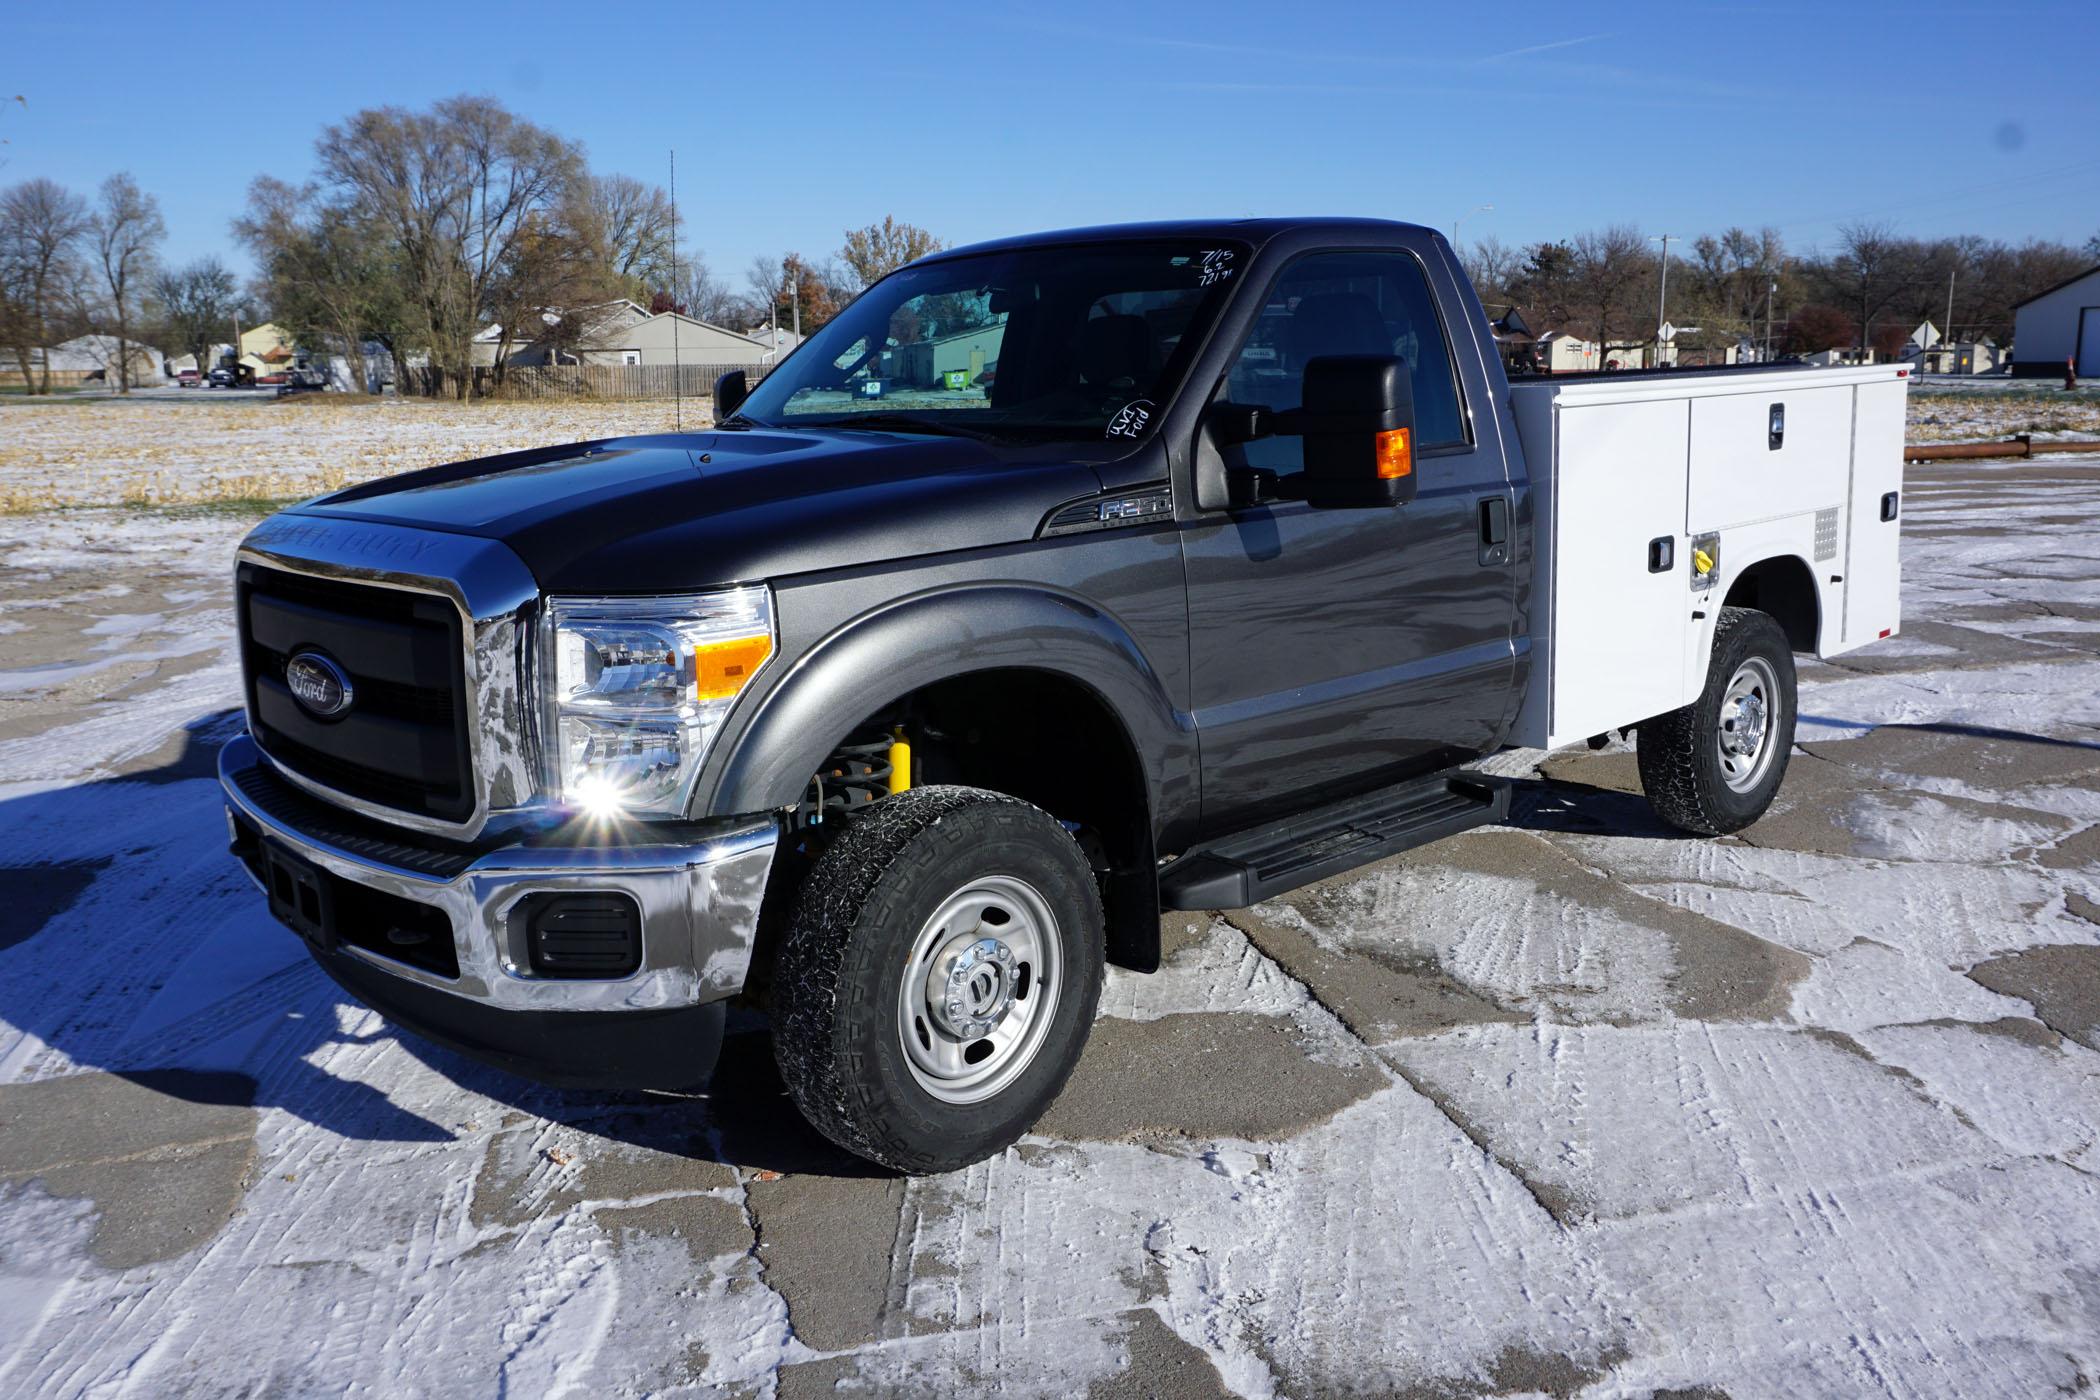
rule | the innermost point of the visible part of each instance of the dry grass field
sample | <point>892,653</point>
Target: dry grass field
<point>193,449</point>
<point>160,450</point>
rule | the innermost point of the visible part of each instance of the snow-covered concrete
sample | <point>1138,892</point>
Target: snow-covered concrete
<point>1569,1107</point>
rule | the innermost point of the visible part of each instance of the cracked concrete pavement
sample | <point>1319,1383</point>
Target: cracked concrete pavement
<point>1569,1107</point>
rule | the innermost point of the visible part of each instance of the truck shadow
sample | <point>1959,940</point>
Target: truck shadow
<point>1579,809</point>
<point>134,945</point>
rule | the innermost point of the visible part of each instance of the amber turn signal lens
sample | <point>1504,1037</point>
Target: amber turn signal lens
<point>1396,455</point>
<point>721,668</point>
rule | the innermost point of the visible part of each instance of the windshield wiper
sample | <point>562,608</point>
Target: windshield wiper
<point>903,422</point>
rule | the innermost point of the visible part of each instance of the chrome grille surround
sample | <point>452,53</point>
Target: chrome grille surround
<point>496,596</point>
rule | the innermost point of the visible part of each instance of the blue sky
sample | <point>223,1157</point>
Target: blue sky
<point>980,121</point>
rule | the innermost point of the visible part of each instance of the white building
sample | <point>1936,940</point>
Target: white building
<point>774,341</point>
<point>2059,325</point>
<point>1564,352</point>
<point>91,359</point>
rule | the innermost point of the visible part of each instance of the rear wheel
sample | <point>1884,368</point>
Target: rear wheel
<point>1715,765</point>
<point>938,977</point>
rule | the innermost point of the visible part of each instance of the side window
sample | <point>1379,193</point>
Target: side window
<point>1346,304</point>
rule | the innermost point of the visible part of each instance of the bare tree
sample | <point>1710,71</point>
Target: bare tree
<point>765,279</point>
<point>1872,267</point>
<point>1545,285</point>
<point>42,224</point>
<point>1494,268</point>
<point>331,278</point>
<point>194,304</point>
<point>454,189</point>
<point>1611,268</point>
<point>125,230</point>
<point>874,252</point>
<point>707,297</point>
<point>625,227</point>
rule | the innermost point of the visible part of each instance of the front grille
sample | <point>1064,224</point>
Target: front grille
<point>403,741</point>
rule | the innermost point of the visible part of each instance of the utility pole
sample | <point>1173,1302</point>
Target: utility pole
<point>1662,295</point>
<point>1771,290</point>
<point>1947,336</point>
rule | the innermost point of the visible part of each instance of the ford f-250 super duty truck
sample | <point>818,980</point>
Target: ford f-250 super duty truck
<point>1058,581</point>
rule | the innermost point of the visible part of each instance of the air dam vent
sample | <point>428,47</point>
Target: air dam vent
<point>572,937</point>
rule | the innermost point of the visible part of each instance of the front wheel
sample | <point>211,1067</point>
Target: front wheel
<point>1715,765</point>
<point>938,977</point>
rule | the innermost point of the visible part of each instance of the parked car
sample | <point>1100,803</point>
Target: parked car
<point>230,373</point>
<point>901,716</point>
<point>188,378</point>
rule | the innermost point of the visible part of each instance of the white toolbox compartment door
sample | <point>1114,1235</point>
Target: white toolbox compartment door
<point>1619,630</point>
<point>1873,580</point>
<point>1738,476</point>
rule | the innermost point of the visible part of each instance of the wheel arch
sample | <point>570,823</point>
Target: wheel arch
<point>1019,658</point>
<point>1783,586</point>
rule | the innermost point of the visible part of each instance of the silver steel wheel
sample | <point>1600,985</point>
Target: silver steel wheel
<point>980,990</point>
<point>1743,731</point>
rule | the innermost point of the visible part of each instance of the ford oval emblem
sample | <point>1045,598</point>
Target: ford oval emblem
<point>318,684</point>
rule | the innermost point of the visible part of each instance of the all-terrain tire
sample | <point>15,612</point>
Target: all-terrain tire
<point>849,946</point>
<point>1684,759</point>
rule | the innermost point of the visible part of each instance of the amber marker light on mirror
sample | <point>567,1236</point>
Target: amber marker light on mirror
<point>1396,454</point>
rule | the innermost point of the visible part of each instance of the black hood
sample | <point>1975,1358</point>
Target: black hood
<point>671,513</point>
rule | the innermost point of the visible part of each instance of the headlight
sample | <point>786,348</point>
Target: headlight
<point>637,689</point>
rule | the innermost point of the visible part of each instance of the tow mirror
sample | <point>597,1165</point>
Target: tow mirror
<point>1358,422</point>
<point>730,392</point>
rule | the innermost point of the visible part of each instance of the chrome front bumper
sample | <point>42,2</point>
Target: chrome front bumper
<point>699,902</point>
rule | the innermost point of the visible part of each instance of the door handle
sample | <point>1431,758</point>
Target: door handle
<point>1889,505</point>
<point>1662,554</point>
<point>1494,530</point>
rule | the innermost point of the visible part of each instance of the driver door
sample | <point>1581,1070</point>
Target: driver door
<point>1334,650</point>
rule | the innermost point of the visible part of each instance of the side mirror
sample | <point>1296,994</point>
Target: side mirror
<point>1358,422</point>
<point>730,392</point>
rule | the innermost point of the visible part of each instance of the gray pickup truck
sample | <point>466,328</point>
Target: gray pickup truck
<point>1057,582</point>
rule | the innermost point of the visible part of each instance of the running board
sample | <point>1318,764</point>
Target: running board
<point>1247,867</point>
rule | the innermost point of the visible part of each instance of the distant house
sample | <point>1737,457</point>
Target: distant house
<point>622,333</point>
<point>267,350</point>
<point>2059,325</point>
<point>1564,352</point>
<point>777,340</point>
<point>1956,357</point>
<point>672,338</point>
<point>553,335</point>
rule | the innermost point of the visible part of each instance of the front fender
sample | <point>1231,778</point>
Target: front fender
<point>885,654</point>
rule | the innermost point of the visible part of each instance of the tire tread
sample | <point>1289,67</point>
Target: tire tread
<point>1679,776</point>
<point>817,1002</point>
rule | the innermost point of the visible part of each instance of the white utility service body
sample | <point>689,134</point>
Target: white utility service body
<point>1632,478</point>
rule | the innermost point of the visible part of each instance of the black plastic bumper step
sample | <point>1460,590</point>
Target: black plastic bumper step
<point>1247,867</point>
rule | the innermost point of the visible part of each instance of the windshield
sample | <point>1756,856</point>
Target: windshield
<point>1073,341</point>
